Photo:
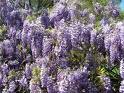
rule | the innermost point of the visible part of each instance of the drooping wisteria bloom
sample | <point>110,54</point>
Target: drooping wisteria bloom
<point>115,13</point>
<point>73,81</point>
<point>5,69</point>
<point>12,87</point>
<point>93,37</point>
<point>100,43</point>
<point>47,46</point>
<point>8,48</point>
<point>50,85</point>
<point>37,49</point>
<point>5,10</point>
<point>122,68</point>
<point>42,61</point>
<point>36,41</point>
<point>85,35</point>
<point>34,88</point>
<point>63,85</point>
<point>45,20</point>
<point>120,27</point>
<point>84,13</point>
<point>65,43</point>
<point>91,18</point>
<point>16,19</point>
<point>23,81</point>
<point>12,33</point>
<point>107,84</point>
<point>66,15</point>
<point>4,79</point>
<point>62,62</point>
<point>18,36</point>
<point>1,78</point>
<point>1,48</point>
<point>115,48</point>
<point>104,21</point>
<point>28,58</point>
<point>24,33</point>
<point>98,8</point>
<point>121,89</point>
<point>107,37</point>
<point>57,13</point>
<point>27,71</point>
<point>44,77</point>
<point>14,64</point>
<point>75,31</point>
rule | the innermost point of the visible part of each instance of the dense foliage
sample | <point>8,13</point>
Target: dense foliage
<point>61,46</point>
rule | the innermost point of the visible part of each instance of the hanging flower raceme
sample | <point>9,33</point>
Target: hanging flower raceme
<point>34,88</point>
<point>47,46</point>
<point>12,87</point>
<point>15,20</point>
<point>27,71</point>
<point>76,31</point>
<point>5,69</point>
<point>36,43</point>
<point>45,20</point>
<point>23,81</point>
<point>93,37</point>
<point>8,48</point>
<point>115,52</point>
<point>121,90</point>
<point>107,84</point>
<point>85,35</point>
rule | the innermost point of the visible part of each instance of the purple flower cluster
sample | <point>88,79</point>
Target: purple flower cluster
<point>56,52</point>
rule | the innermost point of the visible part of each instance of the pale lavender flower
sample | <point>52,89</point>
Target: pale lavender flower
<point>36,43</point>
<point>16,19</point>
<point>65,43</point>
<point>104,21</point>
<point>91,18</point>
<point>100,43</point>
<point>34,88</point>
<point>115,48</point>
<point>24,33</point>
<point>50,85</point>
<point>121,89</point>
<point>1,78</point>
<point>1,48</point>
<point>5,69</point>
<point>98,8</point>
<point>12,87</point>
<point>115,13</point>
<point>47,45</point>
<point>18,35</point>
<point>44,77</point>
<point>56,14</point>
<point>42,61</point>
<point>8,48</point>
<point>63,85</point>
<point>120,27</point>
<point>122,68</point>
<point>75,31</point>
<point>84,13</point>
<point>45,20</point>
<point>23,81</point>
<point>27,71</point>
<point>107,84</point>
<point>93,37</point>
<point>85,35</point>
